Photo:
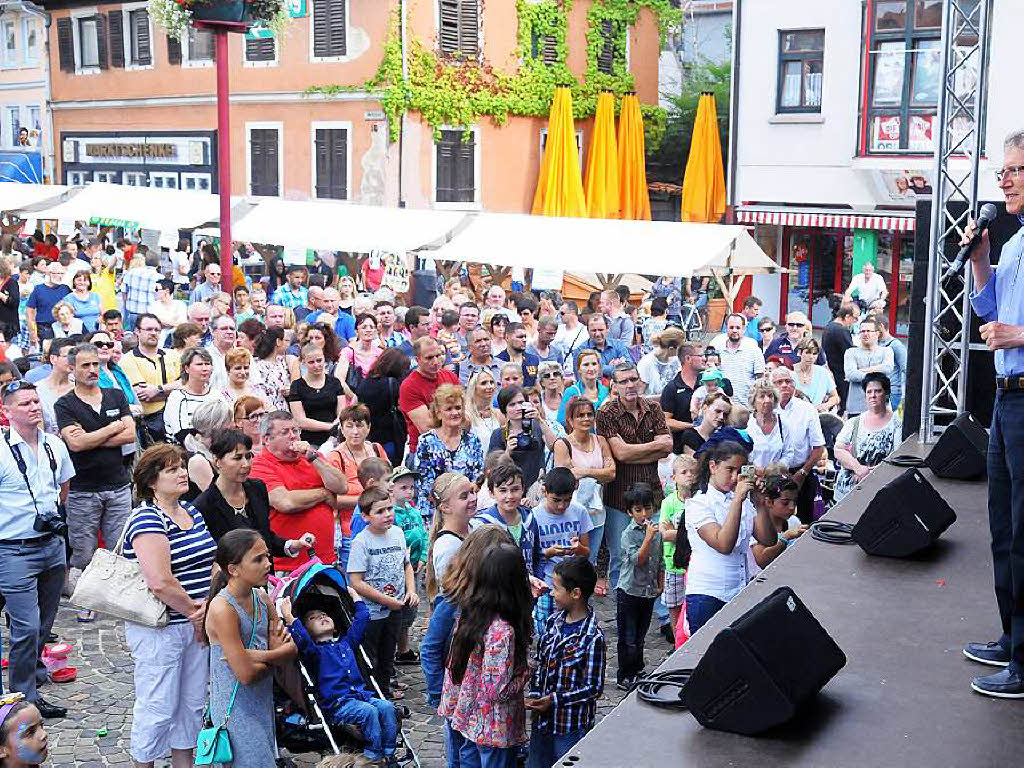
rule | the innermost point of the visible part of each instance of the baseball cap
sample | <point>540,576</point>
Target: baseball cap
<point>403,471</point>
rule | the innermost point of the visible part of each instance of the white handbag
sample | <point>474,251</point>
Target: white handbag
<point>114,585</point>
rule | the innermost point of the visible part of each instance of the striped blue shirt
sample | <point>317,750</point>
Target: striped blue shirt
<point>192,550</point>
<point>1002,299</point>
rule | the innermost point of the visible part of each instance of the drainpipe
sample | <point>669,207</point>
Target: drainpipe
<point>403,13</point>
<point>31,9</point>
<point>734,106</point>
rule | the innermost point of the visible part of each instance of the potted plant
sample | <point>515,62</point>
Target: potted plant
<point>176,16</point>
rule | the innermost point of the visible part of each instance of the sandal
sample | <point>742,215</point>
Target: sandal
<point>601,588</point>
<point>409,658</point>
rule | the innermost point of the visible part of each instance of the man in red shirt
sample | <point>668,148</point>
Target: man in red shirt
<point>419,386</point>
<point>301,485</point>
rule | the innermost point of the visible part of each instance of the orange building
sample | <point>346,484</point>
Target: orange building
<point>132,106</point>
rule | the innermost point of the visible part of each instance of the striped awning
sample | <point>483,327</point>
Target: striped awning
<point>823,219</point>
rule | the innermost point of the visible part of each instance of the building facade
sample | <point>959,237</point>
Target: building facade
<point>133,106</point>
<point>705,35</point>
<point>833,145</point>
<point>26,141</point>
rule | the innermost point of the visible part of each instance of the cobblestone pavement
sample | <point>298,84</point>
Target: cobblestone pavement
<point>100,700</point>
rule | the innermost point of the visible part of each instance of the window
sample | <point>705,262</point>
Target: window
<point>135,178</point>
<point>13,115</point>
<point>544,46</point>
<point>78,178</point>
<point>904,74</point>
<point>35,122</point>
<point>163,180</point>
<point>260,46</point>
<point>801,63</point>
<point>456,167</point>
<point>30,40</point>
<point>609,53</point>
<point>264,158</point>
<point>329,28</point>
<point>196,181</point>
<point>88,42</point>
<point>140,51</point>
<point>199,49</point>
<point>109,177</point>
<point>544,145</point>
<point>330,152</point>
<point>10,51</point>
<point>459,28</point>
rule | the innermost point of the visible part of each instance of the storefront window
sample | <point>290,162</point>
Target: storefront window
<point>902,289</point>
<point>799,278</point>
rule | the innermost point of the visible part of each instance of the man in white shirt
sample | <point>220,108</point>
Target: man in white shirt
<point>870,288</point>
<point>742,360</point>
<point>806,441</point>
<point>223,340</point>
<point>572,334</point>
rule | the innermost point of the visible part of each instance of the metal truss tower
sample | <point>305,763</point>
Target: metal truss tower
<point>958,145</point>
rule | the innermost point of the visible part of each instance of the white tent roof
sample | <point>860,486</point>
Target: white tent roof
<point>341,226</point>
<point>14,196</point>
<point>667,248</point>
<point>160,209</point>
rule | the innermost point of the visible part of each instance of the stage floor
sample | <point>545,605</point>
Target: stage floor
<point>903,698</point>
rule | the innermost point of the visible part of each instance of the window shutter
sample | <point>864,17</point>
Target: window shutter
<point>469,28</point>
<point>65,44</point>
<point>101,43</point>
<point>329,28</point>
<point>455,168</point>
<point>337,26</point>
<point>320,151</point>
<point>115,26</point>
<point>261,49</point>
<point>331,161</point>
<point>606,57</point>
<point>173,50</point>
<point>448,35</point>
<point>465,182</point>
<point>140,22</point>
<point>263,161</point>
<point>446,166</point>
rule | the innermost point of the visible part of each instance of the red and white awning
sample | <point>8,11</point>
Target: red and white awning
<point>823,219</point>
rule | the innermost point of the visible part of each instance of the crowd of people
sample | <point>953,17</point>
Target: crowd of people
<point>509,456</point>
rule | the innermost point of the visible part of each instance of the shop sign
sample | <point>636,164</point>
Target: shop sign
<point>138,149</point>
<point>259,33</point>
<point>102,221</point>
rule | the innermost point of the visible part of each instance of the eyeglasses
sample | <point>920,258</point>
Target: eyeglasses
<point>550,375</point>
<point>794,325</point>
<point>256,416</point>
<point>767,329</point>
<point>103,344</point>
<point>1011,171</point>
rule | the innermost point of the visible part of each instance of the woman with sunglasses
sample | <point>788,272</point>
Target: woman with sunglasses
<point>552,385</point>
<point>659,366</point>
<point>111,374</point>
<point>235,500</point>
<point>588,382</point>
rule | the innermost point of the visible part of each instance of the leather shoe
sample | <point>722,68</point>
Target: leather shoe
<point>1005,684</point>
<point>49,711</point>
<point>987,653</point>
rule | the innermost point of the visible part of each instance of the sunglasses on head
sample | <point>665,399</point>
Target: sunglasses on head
<point>15,386</point>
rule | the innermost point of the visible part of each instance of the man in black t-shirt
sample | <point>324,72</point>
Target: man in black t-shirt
<point>94,423</point>
<point>675,398</point>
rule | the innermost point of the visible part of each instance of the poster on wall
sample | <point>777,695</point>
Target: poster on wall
<point>920,139</point>
<point>396,272</point>
<point>547,279</point>
<point>886,134</point>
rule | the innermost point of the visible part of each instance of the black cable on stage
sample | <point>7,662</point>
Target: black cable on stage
<point>664,689</point>
<point>906,460</point>
<point>832,532</point>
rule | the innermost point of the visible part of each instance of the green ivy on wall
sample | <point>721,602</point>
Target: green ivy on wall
<point>450,91</point>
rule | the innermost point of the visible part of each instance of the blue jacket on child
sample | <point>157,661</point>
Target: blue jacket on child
<point>333,663</point>
<point>529,544</point>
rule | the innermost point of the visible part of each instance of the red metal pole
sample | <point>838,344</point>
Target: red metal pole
<point>224,157</point>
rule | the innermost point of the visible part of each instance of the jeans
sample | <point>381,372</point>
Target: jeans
<point>547,748</point>
<point>1006,519</point>
<point>700,609</point>
<point>594,536</point>
<point>93,511</point>
<point>343,548</point>
<point>376,719</point>
<point>453,741</point>
<point>477,756</point>
<point>633,617</point>
<point>380,642</point>
<point>434,647</point>
<point>31,577</point>
<point>615,522</point>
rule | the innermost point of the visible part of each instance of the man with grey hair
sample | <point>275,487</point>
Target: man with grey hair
<point>95,423</point>
<point>999,302</point>
<point>140,289</point>
<point>302,487</point>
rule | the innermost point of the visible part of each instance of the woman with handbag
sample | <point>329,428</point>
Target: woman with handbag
<point>170,541</point>
<point>246,640</point>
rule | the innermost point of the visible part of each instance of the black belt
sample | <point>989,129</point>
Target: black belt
<point>1010,382</point>
<point>23,542</point>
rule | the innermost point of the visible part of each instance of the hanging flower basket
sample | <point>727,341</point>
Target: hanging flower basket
<point>176,16</point>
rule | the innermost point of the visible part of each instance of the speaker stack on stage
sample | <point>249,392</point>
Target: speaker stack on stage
<point>959,454</point>
<point>761,668</point>
<point>906,516</point>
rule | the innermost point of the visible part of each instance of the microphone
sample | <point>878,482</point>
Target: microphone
<point>986,216</point>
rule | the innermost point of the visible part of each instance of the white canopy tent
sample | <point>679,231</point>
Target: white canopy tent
<point>341,226</point>
<point>15,196</point>
<point>667,248</point>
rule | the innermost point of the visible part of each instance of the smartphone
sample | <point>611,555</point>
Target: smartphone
<point>747,471</point>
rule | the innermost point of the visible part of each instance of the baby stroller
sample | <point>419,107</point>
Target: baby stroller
<point>299,721</point>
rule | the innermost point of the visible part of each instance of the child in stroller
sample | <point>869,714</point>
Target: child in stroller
<point>342,692</point>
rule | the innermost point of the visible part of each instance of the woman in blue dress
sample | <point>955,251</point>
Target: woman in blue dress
<point>83,301</point>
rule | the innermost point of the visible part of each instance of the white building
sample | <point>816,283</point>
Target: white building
<point>705,35</point>
<point>835,103</point>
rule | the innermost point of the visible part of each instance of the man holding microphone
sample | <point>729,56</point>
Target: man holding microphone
<point>999,301</point>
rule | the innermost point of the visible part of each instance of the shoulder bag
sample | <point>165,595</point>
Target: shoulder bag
<point>114,585</point>
<point>213,745</point>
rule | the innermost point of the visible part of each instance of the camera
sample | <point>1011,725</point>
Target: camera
<point>525,438</point>
<point>747,471</point>
<point>53,521</point>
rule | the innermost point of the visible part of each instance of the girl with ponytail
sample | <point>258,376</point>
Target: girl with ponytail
<point>454,498</point>
<point>719,523</point>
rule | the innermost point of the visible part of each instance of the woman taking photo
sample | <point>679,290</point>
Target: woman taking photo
<point>588,382</point>
<point>270,377</point>
<point>362,352</point>
<point>208,418</point>
<point>765,427</point>
<point>525,436</point>
<point>246,639</point>
<point>238,363</point>
<point>866,439</point>
<point>589,457</point>
<point>719,523</point>
<point>815,381</point>
<point>83,301</point>
<point>449,447</point>
<point>234,500</point>
<point>248,412</point>
<point>196,369</point>
<point>315,398</point>
<point>483,416</point>
<point>714,415</point>
<point>552,384</point>
<point>378,391</point>
<point>175,553</point>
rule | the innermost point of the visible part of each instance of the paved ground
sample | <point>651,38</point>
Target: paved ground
<point>101,698</point>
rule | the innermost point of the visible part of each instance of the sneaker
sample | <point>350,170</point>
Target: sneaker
<point>48,710</point>
<point>987,653</point>
<point>409,658</point>
<point>1004,684</point>
<point>625,684</point>
<point>668,634</point>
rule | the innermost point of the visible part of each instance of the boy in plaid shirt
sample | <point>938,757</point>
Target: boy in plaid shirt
<point>568,676</point>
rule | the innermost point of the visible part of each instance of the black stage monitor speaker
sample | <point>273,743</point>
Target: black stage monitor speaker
<point>905,516</point>
<point>749,680</point>
<point>959,454</point>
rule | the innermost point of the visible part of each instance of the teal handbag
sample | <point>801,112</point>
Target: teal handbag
<point>214,744</point>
